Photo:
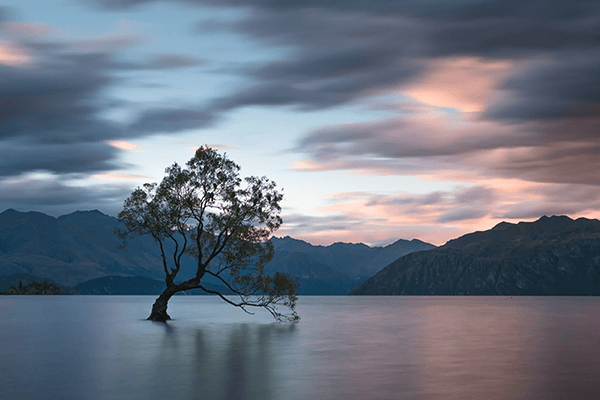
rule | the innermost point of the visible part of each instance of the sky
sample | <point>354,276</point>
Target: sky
<point>379,120</point>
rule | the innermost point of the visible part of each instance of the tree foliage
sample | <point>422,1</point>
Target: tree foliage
<point>207,211</point>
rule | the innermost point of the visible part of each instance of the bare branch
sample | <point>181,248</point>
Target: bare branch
<point>225,283</point>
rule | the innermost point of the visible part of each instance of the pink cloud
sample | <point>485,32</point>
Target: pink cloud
<point>124,145</point>
<point>117,176</point>
<point>501,169</point>
<point>437,217</point>
<point>462,83</point>
<point>12,55</point>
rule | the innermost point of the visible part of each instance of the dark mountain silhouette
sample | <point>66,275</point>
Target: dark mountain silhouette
<point>73,248</point>
<point>79,247</point>
<point>314,276</point>
<point>551,256</point>
<point>356,261</point>
<point>337,268</point>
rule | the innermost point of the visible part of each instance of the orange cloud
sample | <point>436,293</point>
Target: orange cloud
<point>462,83</point>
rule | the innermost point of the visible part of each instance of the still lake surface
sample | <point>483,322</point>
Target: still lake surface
<point>101,347</point>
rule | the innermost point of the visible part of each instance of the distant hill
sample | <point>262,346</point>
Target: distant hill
<point>337,268</point>
<point>79,247</point>
<point>73,248</point>
<point>35,288</point>
<point>356,261</point>
<point>315,277</point>
<point>551,256</point>
<point>6,281</point>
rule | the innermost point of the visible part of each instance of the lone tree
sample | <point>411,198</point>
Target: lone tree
<point>207,211</point>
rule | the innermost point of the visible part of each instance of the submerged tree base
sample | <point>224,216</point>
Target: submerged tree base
<point>158,317</point>
<point>159,308</point>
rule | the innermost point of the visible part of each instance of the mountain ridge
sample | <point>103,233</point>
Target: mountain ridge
<point>551,256</point>
<point>81,246</point>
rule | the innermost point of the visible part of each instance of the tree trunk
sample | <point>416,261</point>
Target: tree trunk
<point>159,308</point>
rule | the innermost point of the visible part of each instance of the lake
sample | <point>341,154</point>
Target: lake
<point>101,347</point>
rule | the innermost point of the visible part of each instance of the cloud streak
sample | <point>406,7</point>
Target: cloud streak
<point>56,195</point>
<point>343,50</point>
<point>52,105</point>
<point>52,96</point>
<point>521,75</point>
<point>435,217</point>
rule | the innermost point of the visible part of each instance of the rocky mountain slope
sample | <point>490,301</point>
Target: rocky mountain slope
<point>551,256</point>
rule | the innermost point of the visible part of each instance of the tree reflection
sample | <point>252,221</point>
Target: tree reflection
<point>237,361</point>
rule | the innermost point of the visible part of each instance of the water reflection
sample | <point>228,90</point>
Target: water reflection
<point>235,361</point>
<point>563,353</point>
<point>344,348</point>
<point>536,348</point>
<point>473,351</point>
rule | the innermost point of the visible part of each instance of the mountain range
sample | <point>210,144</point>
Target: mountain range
<point>81,250</point>
<point>551,256</point>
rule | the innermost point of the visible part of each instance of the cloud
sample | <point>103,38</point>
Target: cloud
<point>12,56</point>
<point>564,86</point>
<point>49,114</point>
<point>462,203</point>
<point>52,98</point>
<point>117,176</point>
<point>521,77</point>
<point>123,145</point>
<point>21,156</point>
<point>56,100</point>
<point>344,50</point>
<point>325,230</point>
<point>170,119</point>
<point>465,84</point>
<point>173,61</point>
<point>560,199</point>
<point>361,55</point>
<point>159,62</point>
<point>471,147</point>
<point>431,135</point>
<point>495,90</point>
<point>54,195</point>
<point>525,71</point>
<point>436,217</point>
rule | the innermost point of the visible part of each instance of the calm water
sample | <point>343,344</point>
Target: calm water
<point>95,347</point>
